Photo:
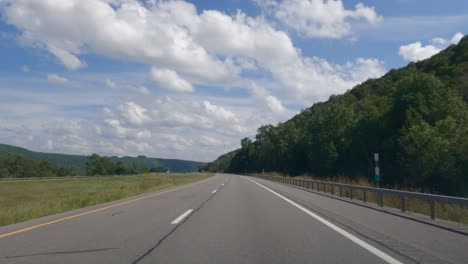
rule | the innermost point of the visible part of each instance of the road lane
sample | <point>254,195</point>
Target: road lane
<point>118,235</point>
<point>243,223</point>
<point>367,246</point>
<point>230,219</point>
<point>419,242</point>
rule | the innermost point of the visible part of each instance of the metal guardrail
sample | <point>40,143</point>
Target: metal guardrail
<point>380,192</point>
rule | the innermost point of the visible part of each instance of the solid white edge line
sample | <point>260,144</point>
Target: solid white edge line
<point>214,191</point>
<point>181,217</point>
<point>339,230</point>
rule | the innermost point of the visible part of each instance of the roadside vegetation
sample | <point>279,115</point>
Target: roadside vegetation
<point>415,117</point>
<point>18,166</point>
<point>24,200</point>
<point>78,162</point>
<point>456,213</point>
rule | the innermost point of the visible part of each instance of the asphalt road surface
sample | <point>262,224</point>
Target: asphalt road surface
<point>231,219</point>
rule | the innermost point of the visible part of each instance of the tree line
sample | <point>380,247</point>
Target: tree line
<point>99,165</point>
<point>18,166</point>
<point>416,118</point>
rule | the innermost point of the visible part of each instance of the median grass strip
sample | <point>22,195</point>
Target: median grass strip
<point>21,201</point>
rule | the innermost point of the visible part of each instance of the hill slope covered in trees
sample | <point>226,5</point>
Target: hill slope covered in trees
<point>416,117</point>
<point>79,161</point>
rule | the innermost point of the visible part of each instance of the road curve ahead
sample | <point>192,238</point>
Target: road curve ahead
<point>230,219</point>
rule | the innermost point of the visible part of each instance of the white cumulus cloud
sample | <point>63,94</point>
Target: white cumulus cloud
<point>67,58</point>
<point>170,80</point>
<point>219,112</point>
<point>134,113</point>
<point>57,79</point>
<point>267,100</point>
<point>319,18</point>
<point>153,33</point>
<point>456,38</point>
<point>109,83</point>
<point>417,51</point>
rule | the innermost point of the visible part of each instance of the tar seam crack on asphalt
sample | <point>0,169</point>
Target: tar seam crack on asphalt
<point>62,252</point>
<point>148,252</point>
<point>116,213</point>
<point>356,231</point>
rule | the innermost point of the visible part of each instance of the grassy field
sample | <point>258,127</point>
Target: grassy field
<point>444,211</point>
<point>20,201</point>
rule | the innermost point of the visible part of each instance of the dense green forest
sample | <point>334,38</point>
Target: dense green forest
<point>17,166</point>
<point>79,161</point>
<point>415,117</point>
<point>97,165</point>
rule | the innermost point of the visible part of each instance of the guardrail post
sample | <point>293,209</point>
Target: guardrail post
<point>432,199</point>
<point>432,209</point>
<point>402,203</point>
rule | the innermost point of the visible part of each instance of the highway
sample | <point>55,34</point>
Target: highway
<point>231,219</point>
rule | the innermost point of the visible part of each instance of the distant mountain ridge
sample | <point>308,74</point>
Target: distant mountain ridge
<point>79,161</point>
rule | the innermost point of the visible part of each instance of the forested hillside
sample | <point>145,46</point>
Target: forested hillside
<point>416,117</point>
<point>79,161</point>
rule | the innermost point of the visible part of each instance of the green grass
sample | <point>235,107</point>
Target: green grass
<point>21,201</point>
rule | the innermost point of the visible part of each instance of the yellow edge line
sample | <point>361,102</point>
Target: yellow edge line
<point>97,210</point>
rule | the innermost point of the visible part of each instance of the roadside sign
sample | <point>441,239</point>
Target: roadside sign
<point>377,169</point>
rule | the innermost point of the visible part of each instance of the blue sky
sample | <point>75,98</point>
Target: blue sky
<point>189,79</point>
